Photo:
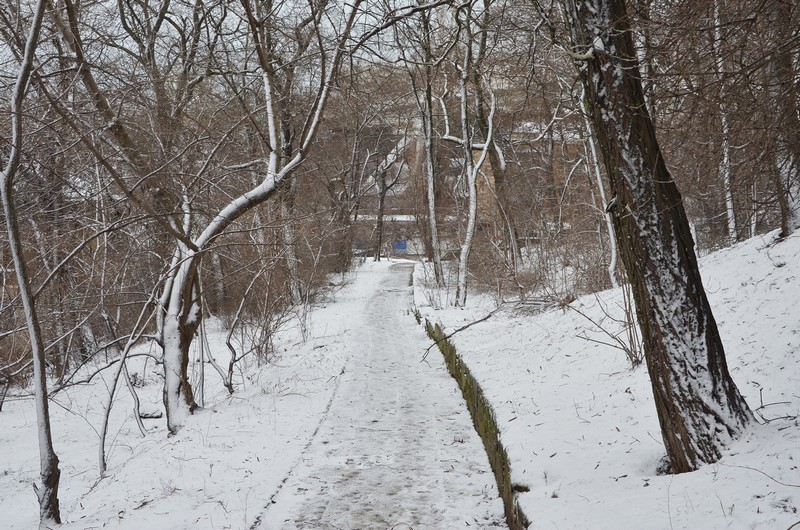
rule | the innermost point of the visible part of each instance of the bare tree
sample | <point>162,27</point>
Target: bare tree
<point>50,473</point>
<point>421,61</point>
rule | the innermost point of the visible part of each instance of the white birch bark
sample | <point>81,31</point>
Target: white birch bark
<point>725,161</point>
<point>601,189</point>
<point>471,170</point>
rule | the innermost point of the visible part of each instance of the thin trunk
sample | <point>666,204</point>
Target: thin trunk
<point>380,180</point>
<point>699,407</point>
<point>725,162</point>
<point>471,175</point>
<point>49,472</point>
<point>496,158</point>
<point>595,170</point>
<point>289,242</point>
<point>786,123</point>
<point>426,112</point>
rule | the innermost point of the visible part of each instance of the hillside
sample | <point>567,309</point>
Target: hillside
<point>580,425</point>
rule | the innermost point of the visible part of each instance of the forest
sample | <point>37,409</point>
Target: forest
<point>170,163</point>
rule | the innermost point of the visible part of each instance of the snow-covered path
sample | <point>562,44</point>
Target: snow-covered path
<point>396,448</point>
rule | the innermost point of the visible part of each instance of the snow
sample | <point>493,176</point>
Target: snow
<point>348,426</point>
<point>322,403</point>
<point>581,427</point>
<point>396,448</point>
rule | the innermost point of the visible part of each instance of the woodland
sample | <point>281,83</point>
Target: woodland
<point>169,161</point>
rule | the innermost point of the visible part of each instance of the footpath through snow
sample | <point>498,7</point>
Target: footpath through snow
<point>396,448</point>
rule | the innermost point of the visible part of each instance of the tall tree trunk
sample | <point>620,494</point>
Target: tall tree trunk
<point>380,181</point>
<point>471,176</point>
<point>786,123</point>
<point>426,114</point>
<point>699,407</point>
<point>49,472</point>
<point>496,158</point>
<point>725,162</point>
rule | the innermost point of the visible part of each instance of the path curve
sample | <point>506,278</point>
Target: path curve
<point>397,449</point>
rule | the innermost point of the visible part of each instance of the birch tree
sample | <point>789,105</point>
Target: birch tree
<point>700,410</point>
<point>725,169</point>
<point>466,66</point>
<point>421,61</point>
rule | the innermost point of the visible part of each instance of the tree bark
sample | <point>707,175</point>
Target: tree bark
<point>49,472</point>
<point>699,407</point>
<point>426,114</point>
<point>380,180</point>
<point>783,97</point>
<point>725,169</point>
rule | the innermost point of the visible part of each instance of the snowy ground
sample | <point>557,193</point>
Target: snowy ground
<point>397,448</point>
<point>367,435</point>
<point>580,426</point>
<point>336,414</point>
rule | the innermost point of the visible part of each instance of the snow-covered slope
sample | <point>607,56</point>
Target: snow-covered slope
<point>219,471</point>
<point>580,426</point>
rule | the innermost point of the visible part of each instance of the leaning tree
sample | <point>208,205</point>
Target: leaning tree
<point>699,407</point>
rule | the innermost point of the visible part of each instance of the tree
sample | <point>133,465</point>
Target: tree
<point>783,96</point>
<point>421,61</point>
<point>50,473</point>
<point>699,407</point>
<point>467,69</point>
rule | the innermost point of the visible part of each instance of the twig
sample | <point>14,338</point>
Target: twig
<point>769,477</point>
<point>462,328</point>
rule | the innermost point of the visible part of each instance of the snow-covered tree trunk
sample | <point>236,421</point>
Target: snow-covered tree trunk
<point>182,314</point>
<point>699,407</point>
<point>425,106</point>
<point>181,299</point>
<point>430,187</point>
<point>49,472</point>
<point>470,173</point>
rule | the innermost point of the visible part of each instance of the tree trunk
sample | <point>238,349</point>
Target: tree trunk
<point>426,112</point>
<point>594,162</point>
<point>471,175</point>
<point>181,319</point>
<point>380,181</point>
<point>49,472</point>
<point>725,162</point>
<point>786,124</point>
<point>496,157</point>
<point>699,407</point>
